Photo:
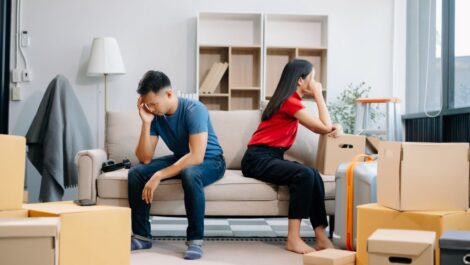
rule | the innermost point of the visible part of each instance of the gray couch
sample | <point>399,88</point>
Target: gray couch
<point>233,195</point>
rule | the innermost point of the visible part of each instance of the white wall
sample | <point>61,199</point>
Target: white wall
<point>162,34</point>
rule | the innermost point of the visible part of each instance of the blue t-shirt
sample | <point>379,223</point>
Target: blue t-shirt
<point>191,117</point>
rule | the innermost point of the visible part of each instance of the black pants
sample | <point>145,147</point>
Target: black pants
<point>306,188</point>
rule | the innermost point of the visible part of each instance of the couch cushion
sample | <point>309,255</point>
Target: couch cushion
<point>328,181</point>
<point>234,130</point>
<point>232,187</point>
<point>122,136</point>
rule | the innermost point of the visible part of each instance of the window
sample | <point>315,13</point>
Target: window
<point>424,57</point>
<point>438,71</point>
<point>462,55</point>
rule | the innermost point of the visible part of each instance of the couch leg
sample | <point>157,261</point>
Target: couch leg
<point>332,225</point>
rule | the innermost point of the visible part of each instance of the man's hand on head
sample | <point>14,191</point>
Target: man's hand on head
<point>144,113</point>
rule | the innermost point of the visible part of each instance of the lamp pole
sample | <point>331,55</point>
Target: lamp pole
<point>105,109</point>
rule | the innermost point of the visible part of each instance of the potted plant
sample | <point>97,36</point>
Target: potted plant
<point>343,110</point>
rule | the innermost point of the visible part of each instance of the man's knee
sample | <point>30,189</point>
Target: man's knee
<point>190,176</point>
<point>135,174</point>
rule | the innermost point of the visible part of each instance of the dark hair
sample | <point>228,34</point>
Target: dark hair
<point>287,85</point>
<point>153,81</point>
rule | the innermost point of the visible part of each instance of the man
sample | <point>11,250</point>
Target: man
<point>184,125</point>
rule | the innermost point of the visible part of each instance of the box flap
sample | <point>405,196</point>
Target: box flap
<point>400,242</point>
<point>57,208</point>
<point>378,207</point>
<point>29,227</point>
<point>330,257</point>
<point>14,213</point>
<point>455,240</point>
<point>373,144</point>
<point>388,174</point>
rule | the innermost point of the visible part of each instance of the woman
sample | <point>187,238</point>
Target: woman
<point>276,133</point>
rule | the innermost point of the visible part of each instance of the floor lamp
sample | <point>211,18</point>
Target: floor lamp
<point>105,59</point>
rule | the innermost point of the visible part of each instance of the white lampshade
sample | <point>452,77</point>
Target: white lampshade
<point>105,57</point>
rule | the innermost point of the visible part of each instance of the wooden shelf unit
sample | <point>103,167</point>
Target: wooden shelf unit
<point>309,42</point>
<point>256,48</point>
<point>237,40</point>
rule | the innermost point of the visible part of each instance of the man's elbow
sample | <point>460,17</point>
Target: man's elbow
<point>146,161</point>
<point>197,160</point>
<point>143,160</point>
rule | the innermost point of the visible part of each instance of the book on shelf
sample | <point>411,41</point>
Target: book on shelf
<point>207,79</point>
<point>213,78</point>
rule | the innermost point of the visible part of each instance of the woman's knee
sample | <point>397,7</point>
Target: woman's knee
<point>306,175</point>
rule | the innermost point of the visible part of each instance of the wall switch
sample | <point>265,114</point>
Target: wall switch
<point>26,75</point>
<point>16,93</point>
<point>16,76</point>
<point>25,39</point>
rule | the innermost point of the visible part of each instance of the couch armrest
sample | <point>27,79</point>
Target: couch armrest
<point>89,168</point>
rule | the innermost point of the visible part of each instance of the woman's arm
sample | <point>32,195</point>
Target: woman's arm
<point>321,124</point>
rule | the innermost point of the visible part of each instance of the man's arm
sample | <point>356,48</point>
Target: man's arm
<point>147,144</point>
<point>197,151</point>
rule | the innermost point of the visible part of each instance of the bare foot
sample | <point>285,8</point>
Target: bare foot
<point>297,245</point>
<point>323,244</point>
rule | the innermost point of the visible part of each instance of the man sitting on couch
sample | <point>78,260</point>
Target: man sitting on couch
<point>185,127</point>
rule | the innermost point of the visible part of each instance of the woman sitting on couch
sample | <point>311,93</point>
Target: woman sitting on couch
<point>264,158</point>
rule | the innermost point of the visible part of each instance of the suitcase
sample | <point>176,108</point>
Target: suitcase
<point>455,247</point>
<point>356,184</point>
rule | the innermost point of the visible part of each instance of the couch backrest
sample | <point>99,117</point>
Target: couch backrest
<point>233,129</point>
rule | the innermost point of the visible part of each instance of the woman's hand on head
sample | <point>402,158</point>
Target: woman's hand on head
<point>316,89</point>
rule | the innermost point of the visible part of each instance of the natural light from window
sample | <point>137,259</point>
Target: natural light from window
<point>462,54</point>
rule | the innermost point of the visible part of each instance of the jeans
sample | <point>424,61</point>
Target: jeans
<point>193,179</point>
<point>306,187</point>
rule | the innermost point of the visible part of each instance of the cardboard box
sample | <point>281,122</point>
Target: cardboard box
<point>330,257</point>
<point>401,247</point>
<point>371,217</point>
<point>14,214</point>
<point>334,151</point>
<point>12,171</point>
<point>92,235</point>
<point>25,241</point>
<point>423,176</point>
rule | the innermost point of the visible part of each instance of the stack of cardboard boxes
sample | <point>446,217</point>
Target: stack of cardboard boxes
<point>59,232</point>
<point>422,192</point>
<point>420,186</point>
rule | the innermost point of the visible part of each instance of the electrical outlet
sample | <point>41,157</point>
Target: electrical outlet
<point>26,75</point>
<point>16,93</point>
<point>25,39</point>
<point>16,76</point>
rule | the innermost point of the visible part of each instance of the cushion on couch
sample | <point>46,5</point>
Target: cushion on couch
<point>232,187</point>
